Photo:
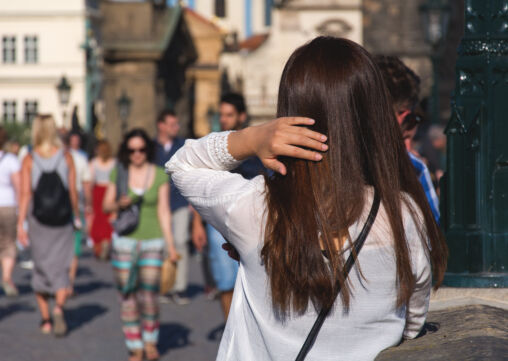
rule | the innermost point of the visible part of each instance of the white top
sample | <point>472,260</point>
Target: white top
<point>236,207</point>
<point>9,164</point>
<point>82,170</point>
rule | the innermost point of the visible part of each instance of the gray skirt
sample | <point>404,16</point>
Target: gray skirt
<point>52,250</point>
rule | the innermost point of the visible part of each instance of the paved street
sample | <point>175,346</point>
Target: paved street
<point>188,333</point>
<point>191,333</point>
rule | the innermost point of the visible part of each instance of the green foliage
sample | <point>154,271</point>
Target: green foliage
<point>18,131</point>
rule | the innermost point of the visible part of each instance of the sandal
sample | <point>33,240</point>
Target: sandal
<point>9,289</point>
<point>151,353</point>
<point>46,326</point>
<point>60,328</point>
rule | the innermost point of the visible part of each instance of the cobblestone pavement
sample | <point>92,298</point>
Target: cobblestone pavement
<point>188,333</point>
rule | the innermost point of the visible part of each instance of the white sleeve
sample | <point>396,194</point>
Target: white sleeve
<point>86,175</point>
<point>199,171</point>
<point>14,164</point>
<point>419,301</point>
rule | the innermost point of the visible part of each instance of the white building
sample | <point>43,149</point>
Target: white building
<point>268,31</point>
<point>241,17</point>
<point>294,24</point>
<point>42,41</point>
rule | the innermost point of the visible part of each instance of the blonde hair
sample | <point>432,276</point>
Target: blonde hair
<point>45,134</point>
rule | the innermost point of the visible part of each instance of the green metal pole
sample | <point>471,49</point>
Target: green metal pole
<point>476,183</point>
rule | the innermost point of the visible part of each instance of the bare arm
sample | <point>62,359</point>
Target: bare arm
<point>16,184</point>
<point>25,195</point>
<point>164,215</point>
<point>87,189</point>
<point>198,231</point>
<point>73,193</point>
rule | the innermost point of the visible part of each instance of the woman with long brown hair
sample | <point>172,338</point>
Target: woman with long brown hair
<point>295,229</point>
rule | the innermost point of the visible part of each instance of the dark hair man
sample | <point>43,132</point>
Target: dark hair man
<point>167,143</point>
<point>404,87</point>
<point>233,116</point>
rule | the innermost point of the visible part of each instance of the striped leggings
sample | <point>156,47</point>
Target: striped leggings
<point>137,269</point>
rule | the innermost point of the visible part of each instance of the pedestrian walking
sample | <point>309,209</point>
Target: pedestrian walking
<point>139,188</point>
<point>296,231</point>
<point>100,169</point>
<point>83,187</point>
<point>233,116</point>
<point>49,201</point>
<point>9,196</point>
<point>167,143</point>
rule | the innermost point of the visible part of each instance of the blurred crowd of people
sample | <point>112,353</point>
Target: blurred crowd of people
<point>55,198</point>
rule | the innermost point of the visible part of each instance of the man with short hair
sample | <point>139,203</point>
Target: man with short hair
<point>404,87</point>
<point>233,116</point>
<point>167,143</point>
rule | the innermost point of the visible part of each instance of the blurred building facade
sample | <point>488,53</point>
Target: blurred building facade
<point>238,19</point>
<point>146,48</point>
<point>203,77</point>
<point>254,65</point>
<point>43,41</point>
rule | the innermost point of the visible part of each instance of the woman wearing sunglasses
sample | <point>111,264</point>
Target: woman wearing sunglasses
<point>296,230</point>
<point>138,255</point>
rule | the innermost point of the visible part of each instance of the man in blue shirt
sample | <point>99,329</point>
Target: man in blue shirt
<point>167,143</point>
<point>404,87</point>
<point>233,116</point>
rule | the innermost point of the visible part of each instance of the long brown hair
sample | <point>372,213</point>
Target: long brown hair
<point>335,82</point>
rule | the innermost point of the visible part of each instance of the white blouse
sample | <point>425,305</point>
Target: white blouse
<point>236,207</point>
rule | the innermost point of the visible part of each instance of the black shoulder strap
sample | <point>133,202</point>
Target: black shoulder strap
<point>122,180</point>
<point>307,345</point>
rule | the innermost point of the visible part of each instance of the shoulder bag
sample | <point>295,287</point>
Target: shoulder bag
<point>128,218</point>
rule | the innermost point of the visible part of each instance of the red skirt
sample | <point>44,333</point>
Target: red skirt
<point>101,229</point>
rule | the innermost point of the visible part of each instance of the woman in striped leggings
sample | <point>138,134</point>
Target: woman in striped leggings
<point>138,256</point>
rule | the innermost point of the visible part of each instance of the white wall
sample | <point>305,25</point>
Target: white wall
<point>235,15</point>
<point>60,28</point>
<point>263,67</point>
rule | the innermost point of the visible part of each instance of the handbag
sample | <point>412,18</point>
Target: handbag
<point>128,218</point>
<point>357,246</point>
<point>168,275</point>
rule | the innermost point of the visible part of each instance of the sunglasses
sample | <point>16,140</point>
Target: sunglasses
<point>138,150</point>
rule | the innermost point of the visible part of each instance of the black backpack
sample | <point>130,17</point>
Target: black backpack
<point>51,200</point>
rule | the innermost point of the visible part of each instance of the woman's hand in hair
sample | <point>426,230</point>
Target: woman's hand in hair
<point>280,137</point>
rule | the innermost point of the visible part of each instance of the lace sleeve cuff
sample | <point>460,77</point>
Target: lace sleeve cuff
<point>217,144</point>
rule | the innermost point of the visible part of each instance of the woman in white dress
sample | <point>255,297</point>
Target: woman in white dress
<point>294,230</point>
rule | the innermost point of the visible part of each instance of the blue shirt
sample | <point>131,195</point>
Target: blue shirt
<point>423,175</point>
<point>250,168</point>
<point>161,157</point>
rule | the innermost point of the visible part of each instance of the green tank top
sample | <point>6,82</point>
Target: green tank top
<point>149,226</point>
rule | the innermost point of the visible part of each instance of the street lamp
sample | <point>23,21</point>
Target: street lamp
<point>124,108</point>
<point>64,92</point>
<point>435,18</point>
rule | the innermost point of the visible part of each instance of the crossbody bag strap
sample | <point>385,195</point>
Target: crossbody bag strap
<point>311,337</point>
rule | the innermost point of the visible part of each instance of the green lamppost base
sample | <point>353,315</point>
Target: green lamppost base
<point>476,280</point>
